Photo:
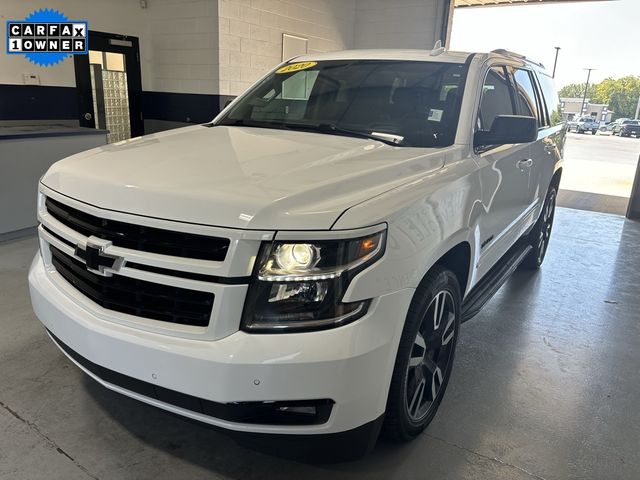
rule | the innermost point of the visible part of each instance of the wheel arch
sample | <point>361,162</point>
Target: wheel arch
<point>458,260</point>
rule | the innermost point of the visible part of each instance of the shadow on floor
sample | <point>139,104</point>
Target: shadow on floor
<point>592,202</point>
<point>203,445</point>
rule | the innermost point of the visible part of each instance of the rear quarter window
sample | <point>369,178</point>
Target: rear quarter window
<point>551,99</point>
<point>525,96</point>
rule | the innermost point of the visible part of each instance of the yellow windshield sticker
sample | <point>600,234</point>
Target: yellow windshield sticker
<point>295,67</point>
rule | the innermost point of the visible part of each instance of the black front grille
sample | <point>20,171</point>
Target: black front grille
<point>136,297</point>
<point>139,237</point>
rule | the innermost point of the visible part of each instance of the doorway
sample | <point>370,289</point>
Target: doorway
<point>109,86</point>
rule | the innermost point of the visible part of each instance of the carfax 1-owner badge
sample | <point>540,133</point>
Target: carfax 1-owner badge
<point>47,37</point>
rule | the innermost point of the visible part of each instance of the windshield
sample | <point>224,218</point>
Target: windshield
<point>399,102</point>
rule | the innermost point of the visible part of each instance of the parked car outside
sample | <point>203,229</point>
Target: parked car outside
<point>606,127</point>
<point>585,124</point>
<point>297,270</point>
<point>627,128</point>
<point>617,122</point>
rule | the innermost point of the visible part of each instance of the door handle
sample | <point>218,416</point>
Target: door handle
<point>524,163</point>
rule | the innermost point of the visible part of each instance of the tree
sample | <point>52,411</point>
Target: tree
<point>576,90</point>
<point>620,94</point>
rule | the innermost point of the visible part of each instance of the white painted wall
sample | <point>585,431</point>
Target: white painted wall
<point>222,46</point>
<point>398,23</point>
<point>184,46</point>
<point>178,41</point>
<point>114,16</point>
<point>251,34</point>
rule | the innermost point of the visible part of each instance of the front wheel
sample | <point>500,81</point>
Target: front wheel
<point>541,233</point>
<point>593,132</point>
<point>425,356</point>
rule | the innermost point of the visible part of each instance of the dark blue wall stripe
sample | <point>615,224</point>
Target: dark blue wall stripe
<point>35,102</point>
<point>182,107</point>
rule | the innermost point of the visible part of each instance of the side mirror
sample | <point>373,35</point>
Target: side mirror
<point>508,129</point>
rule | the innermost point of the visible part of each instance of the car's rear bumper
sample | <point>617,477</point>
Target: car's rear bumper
<point>349,366</point>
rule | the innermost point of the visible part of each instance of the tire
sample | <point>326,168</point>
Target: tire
<point>541,233</point>
<point>425,356</point>
<point>593,132</point>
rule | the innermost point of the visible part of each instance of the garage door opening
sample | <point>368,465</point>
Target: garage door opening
<point>599,167</point>
<point>599,171</point>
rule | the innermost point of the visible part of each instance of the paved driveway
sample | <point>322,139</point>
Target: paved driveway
<point>601,164</point>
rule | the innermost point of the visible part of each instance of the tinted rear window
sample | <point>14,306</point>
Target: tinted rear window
<point>551,98</point>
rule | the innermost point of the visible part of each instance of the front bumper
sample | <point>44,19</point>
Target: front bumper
<point>351,365</point>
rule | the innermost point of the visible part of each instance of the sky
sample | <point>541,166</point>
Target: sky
<point>600,35</point>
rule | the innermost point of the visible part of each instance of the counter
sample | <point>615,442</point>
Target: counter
<point>26,152</point>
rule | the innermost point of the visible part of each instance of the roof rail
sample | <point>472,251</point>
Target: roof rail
<point>504,51</point>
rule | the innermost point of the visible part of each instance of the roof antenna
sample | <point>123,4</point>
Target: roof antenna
<point>438,49</point>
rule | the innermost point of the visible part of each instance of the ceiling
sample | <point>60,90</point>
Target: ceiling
<point>489,3</point>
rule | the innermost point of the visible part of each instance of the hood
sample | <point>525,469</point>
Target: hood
<point>239,177</point>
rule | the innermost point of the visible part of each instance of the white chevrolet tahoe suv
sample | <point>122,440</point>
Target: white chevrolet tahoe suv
<point>296,271</point>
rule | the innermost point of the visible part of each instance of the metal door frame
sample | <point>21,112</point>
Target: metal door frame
<point>110,42</point>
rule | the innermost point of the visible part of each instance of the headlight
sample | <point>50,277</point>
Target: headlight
<point>299,285</point>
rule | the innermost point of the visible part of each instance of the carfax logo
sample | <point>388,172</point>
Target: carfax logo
<point>47,37</point>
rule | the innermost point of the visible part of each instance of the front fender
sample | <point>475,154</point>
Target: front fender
<point>426,219</point>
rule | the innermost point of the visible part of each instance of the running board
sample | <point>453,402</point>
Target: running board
<point>493,280</point>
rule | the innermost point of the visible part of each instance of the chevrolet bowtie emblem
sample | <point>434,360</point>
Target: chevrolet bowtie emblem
<point>97,261</point>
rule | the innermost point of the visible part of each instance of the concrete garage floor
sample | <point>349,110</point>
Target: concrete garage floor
<point>545,386</point>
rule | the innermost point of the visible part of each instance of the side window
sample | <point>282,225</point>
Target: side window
<point>496,98</point>
<point>551,99</point>
<point>543,119</point>
<point>526,96</point>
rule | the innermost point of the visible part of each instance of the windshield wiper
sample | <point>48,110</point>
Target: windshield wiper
<point>388,138</point>
<point>241,122</point>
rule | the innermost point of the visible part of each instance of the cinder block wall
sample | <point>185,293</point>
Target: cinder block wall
<point>398,23</point>
<point>195,54</point>
<point>184,46</point>
<point>251,34</point>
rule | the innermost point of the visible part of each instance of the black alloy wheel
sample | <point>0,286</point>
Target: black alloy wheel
<point>541,233</point>
<point>425,356</point>
<point>430,356</point>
